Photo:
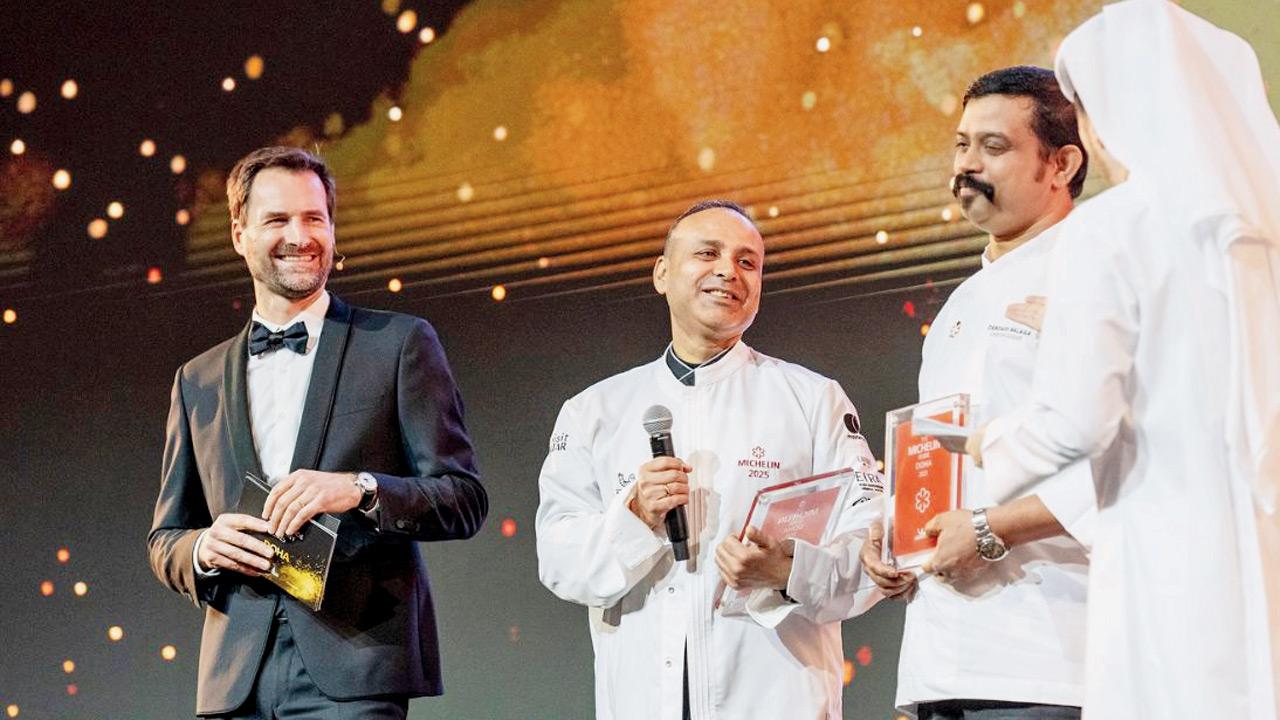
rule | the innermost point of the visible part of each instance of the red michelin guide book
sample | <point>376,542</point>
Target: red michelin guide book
<point>925,478</point>
<point>804,509</point>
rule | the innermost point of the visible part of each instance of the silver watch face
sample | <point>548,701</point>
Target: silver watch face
<point>366,483</point>
<point>989,549</point>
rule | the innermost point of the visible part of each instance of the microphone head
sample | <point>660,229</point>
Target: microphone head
<point>657,419</point>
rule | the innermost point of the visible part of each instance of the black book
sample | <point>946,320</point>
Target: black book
<point>301,564</point>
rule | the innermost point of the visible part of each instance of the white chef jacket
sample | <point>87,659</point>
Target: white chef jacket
<point>1015,632</point>
<point>749,422</point>
<point>1133,352</point>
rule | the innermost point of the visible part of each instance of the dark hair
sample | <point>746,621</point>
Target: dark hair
<point>240,181</point>
<point>1054,119</point>
<point>701,205</point>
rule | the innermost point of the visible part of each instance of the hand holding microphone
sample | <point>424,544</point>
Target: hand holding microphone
<point>662,484</point>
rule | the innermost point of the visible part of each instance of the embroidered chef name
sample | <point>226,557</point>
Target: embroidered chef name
<point>1009,331</point>
<point>559,441</point>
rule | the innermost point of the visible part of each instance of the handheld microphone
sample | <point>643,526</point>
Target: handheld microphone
<point>657,422</point>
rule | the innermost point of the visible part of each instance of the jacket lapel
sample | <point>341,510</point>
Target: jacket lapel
<point>323,386</point>
<point>235,404</point>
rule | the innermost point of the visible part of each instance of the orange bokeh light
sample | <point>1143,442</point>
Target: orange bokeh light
<point>46,588</point>
<point>154,276</point>
<point>68,666</point>
<point>508,527</point>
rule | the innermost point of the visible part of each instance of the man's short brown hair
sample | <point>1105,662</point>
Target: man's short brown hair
<point>240,181</point>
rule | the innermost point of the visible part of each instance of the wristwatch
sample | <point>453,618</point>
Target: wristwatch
<point>990,547</point>
<point>368,485</point>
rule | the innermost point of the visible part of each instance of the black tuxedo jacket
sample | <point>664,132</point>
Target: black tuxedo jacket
<point>381,399</point>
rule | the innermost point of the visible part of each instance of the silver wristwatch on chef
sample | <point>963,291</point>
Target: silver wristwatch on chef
<point>990,547</point>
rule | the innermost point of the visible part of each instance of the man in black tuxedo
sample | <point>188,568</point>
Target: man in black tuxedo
<point>344,410</point>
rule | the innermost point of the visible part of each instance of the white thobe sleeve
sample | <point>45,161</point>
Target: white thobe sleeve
<point>827,583</point>
<point>591,550</point>
<point>1078,399</point>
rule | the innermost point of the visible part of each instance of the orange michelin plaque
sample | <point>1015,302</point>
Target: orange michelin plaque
<point>924,478</point>
<point>805,509</point>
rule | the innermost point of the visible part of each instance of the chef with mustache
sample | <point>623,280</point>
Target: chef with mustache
<point>743,421</point>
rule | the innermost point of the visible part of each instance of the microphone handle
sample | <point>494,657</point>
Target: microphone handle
<point>676,520</point>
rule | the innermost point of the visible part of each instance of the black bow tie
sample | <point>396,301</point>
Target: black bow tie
<point>262,340</point>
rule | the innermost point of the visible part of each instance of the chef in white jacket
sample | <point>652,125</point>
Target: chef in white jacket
<point>1163,337</point>
<point>743,421</point>
<point>998,630</point>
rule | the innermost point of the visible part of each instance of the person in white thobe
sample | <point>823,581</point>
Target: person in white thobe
<point>1162,341</point>
<point>743,421</point>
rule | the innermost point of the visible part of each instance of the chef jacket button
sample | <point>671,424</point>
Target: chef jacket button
<point>668,662</point>
<point>671,590</point>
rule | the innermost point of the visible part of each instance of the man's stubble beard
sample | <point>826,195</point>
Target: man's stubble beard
<point>296,287</point>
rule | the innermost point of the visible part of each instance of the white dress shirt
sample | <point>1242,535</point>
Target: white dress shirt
<point>1016,631</point>
<point>277,390</point>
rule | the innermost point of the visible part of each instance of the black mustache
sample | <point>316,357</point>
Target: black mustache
<point>964,180</point>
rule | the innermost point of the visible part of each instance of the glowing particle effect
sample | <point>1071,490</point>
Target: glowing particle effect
<point>178,164</point>
<point>909,309</point>
<point>823,44</point>
<point>849,671</point>
<point>394,285</point>
<point>97,228</point>
<point>498,293</point>
<point>154,275</point>
<point>72,689</point>
<point>706,159</point>
<point>81,589</point>
<point>880,465</point>
<point>544,263</point>
<point>63,555</point>
<point>917,31</point>
<point>69,89</point>
<point>115,210</point>
<point>46,588</point>
<point>975,13</point>
<point>228,84</point>
<point>6,87</point>
<point>882,237</point>
<point>11,317</point>
<point>390,6</point>
<point>1019,9</point>
<point>168,652</point>
<point>863,656</point>
<point>426,35</point>
<point>62,179</point>
<point>773,211</point>
<point>407,21</point>
<point>115,633</point>
<point>11,711</point>
<point>182,217</point>
<point>924,329</point>
<point>253,67</point>
<point>466,192</point>
<point>68,666</point>
<point>395,113</point>
<point>27,103</point>
<point>500,133</point>
<point>508,527</point>
<point>808,99</point>
<point>147,148</point>
<point>17,147</point>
